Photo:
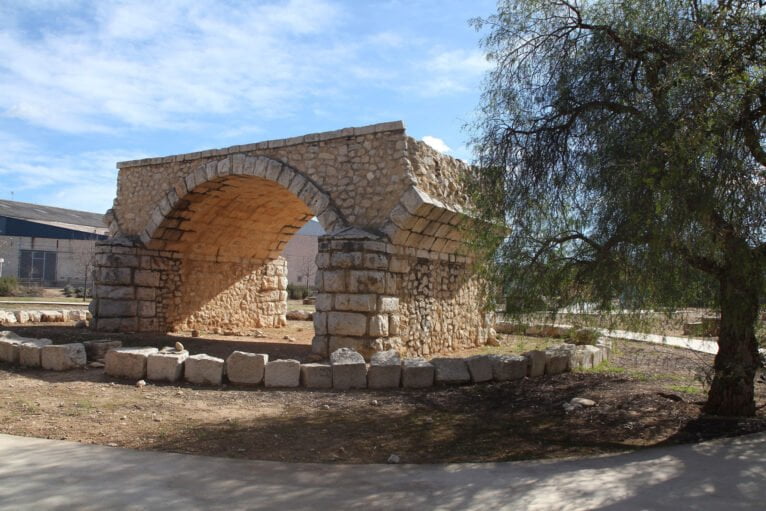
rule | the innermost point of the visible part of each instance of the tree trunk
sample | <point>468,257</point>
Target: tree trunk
<point>732,393</point>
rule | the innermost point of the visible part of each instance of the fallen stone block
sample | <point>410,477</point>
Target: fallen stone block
<point>508,367</point>
<point>535,363</point>
<point>316,376</point>
<point>21,317</point>
<point>556,361</point>
<point>62,357</point>
<point>451,371</point>
<point>9,350</point>
<point>417,373</point>
<point>96,350</point>
<point>166,365</point>
<point>7,318</point>
<point>204,370</point>
<point>480,367</point>
<point>244,368</point>
<point>581,358</point>
<point>299,315</point>
<point>348,369</point>
<point>51,316</point>
<point>31,350</point>
<point>282,373</point>
<point>385,370</point>
<point>127,362</point>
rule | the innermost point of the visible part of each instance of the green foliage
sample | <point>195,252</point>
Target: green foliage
<point>297,292</point>
<point>583,336</point>
<point>622,144</point>
<point>69,290</point>
<point>8,286</point>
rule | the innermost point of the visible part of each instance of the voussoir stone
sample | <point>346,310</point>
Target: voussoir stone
<point>385,370</point>
<point>204,370</point>
<point>30,352</point>
<point>508,367</point>
<point>166,365</point>
<point>244,368</point>
<point>348,369</point>
<point>62,357</point>
<point>282,373</point>
<point>417,373</point>
<point>451,370</point>
<point>316,376</point>
<point>480,367</point>
<point>127,362</point>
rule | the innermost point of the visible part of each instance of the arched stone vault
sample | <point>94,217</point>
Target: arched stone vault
<point>195,242</point>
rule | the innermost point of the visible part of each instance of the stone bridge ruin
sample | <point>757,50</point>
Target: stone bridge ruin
<point>195,242</point>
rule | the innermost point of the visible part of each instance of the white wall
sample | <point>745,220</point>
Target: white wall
<point>72,256</point>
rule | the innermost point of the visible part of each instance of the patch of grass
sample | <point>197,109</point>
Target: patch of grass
<point>687,389</point>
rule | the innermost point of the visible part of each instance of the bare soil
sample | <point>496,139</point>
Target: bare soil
<point>647,395</point>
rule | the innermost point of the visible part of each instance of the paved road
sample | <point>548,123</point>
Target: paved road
<point>40,474</point>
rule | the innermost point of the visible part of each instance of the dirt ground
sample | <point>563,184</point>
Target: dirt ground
<point>647,395</point>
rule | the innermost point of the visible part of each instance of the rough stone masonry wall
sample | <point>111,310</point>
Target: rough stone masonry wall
<point>141,290</point>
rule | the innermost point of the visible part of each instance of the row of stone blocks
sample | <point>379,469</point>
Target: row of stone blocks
<point>43,316</point>
<point>346,370</point>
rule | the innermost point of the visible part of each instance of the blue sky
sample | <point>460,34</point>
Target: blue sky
<point>86,84</point>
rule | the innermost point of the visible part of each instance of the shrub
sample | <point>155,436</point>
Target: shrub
<point>69,290</point>
<point>9,286</point>
<point>296,292</point>
<point>584,336</point>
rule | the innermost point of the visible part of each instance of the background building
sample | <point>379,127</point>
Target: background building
<point>301,254</point>
<point>47,246</point>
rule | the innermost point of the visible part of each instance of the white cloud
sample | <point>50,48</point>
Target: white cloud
<point>449,72</point>
<point>437,144</point>
<point>147,64</point>
<point>84,181</point>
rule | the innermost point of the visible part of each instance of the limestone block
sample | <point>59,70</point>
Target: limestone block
<point>508,367</point>
<point>582,357</point>
<point>348,369</point>
<point>556,361</point>
<point>334,281</point>
<point>367,282</point>
<point>204,370</point>
<point>127,362</point>
<point>480,367</point>
<point>316,376</point>
<point>61,357</point>
<point>244,368</point>
<point>9,350</point>
<point>319,345</point>
<point>388,304</point>
<point>451,370</point>
<point>51,316</point>
<point>282,373</point>
<point>417,373</point>
<point>21,317</point>
<point>358,303</point>
<point>535,363</point>
<point>385,370</point>
<point>393,324</point>
<point>97,349</point>
<point>379,326</point>
<point>76,315</point>
<point>116,308</point>
<point>324,302</point>
<point>166,365</point>
<point>30,352</point>
<point>346,323</point>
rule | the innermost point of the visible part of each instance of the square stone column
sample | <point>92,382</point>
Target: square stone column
<point>357,304</point>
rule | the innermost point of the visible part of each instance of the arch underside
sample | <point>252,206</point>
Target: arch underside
<point>228,234</point>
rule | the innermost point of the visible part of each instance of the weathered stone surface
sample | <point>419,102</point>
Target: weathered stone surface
<point>417,373</point>
<point>298,315</point>
<point>204,370</point>
<point>9,350</point>
<point>346,323</point>
<point>451,371</point>
<point>508,367</point>
<point>385,370</point>
<point>535,363</point>
<point>282,373</point>
<point>320,345</point>
<point>316,376</point>
<point>348,369</point>
<point>62,357</point>
<point>556,361</point>
<point>30,352</point>
<point>480,367</point>
<point>127,362</point>
<point>166,365</point>
<point>244,368</point>
<point>96,350</point>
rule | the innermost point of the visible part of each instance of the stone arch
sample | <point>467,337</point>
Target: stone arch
<point>318,201</point>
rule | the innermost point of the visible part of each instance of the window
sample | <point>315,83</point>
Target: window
<point>37,266</point>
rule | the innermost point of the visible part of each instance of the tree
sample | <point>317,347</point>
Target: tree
<point>622,143</point>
